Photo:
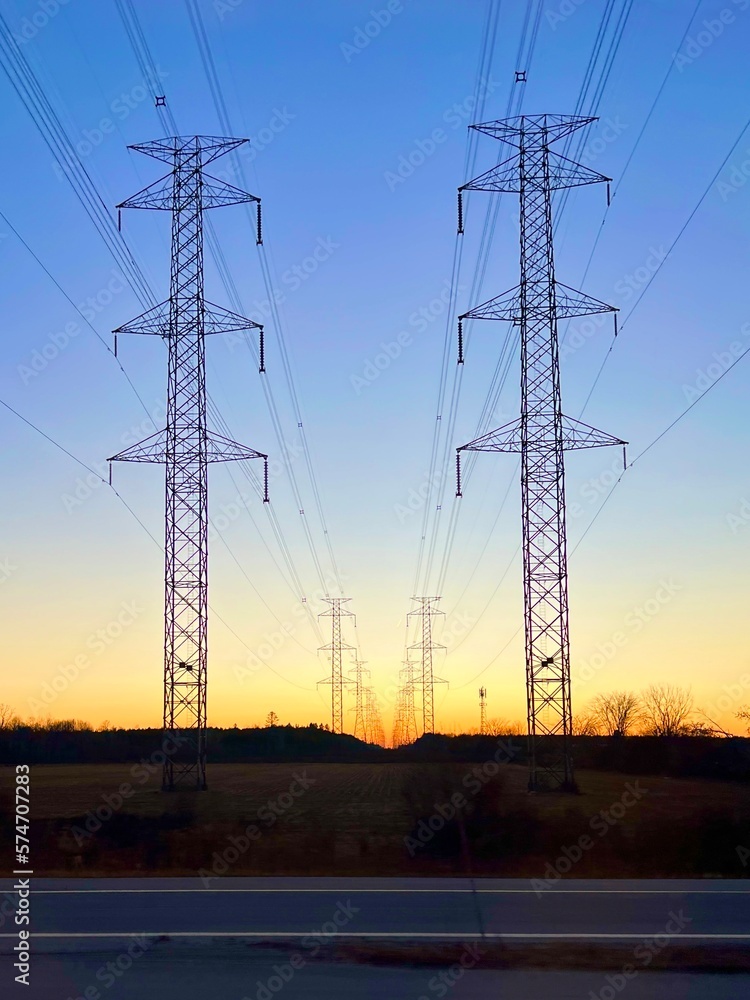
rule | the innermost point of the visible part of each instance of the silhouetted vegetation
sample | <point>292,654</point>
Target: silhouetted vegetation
<point>68,742</point>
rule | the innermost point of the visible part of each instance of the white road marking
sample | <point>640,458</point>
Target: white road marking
<point>409,935</point>
<point>351,891</point>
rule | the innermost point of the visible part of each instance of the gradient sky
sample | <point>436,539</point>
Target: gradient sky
<point>666,542</point>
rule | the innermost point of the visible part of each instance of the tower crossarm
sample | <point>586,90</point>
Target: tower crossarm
<point>570,303</point>
<point>214,193</point>
<point>575,435</point>
<point>216,319</point>
<point>542,129</point>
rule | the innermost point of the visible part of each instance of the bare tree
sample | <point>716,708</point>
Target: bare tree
<point>8,718</point>
<point>666,709</point>
<point>618,712</point>
<point>272,719</point>
<point>699,728</point>
<point>67,726</point>
<point>501,727</point>
<point>744,713</point>
<point>713,725</point>
<point>585,723</point>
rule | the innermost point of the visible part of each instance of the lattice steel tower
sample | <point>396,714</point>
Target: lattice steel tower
<point>482,711</point>
<point>407,713</point>
<point>336,648</point>
<point>542,433</point>
<point>397,733</point>
<point>427,611</point>
<point>373,722</point>
<point>186,446</point>
<point>360,726</point>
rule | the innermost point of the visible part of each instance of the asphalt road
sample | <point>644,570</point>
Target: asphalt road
<point>400,909</point>
<point>251,939</point>
<point>178,973</point>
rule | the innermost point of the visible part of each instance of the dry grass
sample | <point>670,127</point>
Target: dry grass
<point>354,818</point>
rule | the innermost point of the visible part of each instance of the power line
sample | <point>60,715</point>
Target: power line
<point>622,173</point>
<point>139,521</point>
<point>148,67</point>
<point>663,434</point>
<point>54,135</point>
<point>484,67</point>
<point>655,101</point>
<point>503,365</point>
<point>214,83</point>
<point>52,441</point>
<point>661,263</point>
<point>140,398</point>
<point>145,59</point>
<point>659,437</point>
<point>43,115</point>
<point>502,369</point>
<point>65,295</point>
<point>444,431</point>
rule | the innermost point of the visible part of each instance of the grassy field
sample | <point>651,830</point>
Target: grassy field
<point>379,819</point>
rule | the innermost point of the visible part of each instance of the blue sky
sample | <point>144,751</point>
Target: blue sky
<point>332,121</point>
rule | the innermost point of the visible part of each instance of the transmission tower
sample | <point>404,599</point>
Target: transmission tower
<point>186,446</point>
<point>409,731</point>
<point>398,720</point>
<point>542,433</point>
<point>427,611</point>
<point>360,726</point>
<point>336,648</point>
<point>373,722</point>
<point>483,711</point>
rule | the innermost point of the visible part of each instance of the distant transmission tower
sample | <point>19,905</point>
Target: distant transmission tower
<point>397,739</point>
<point>427,611</point>
<point>360,726</point>
<point>542,434</point>
<point>409,729</point>
<point>336,648</point>
<point>483,711</point>
<point>373,722</point>
<point>186,446</point>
